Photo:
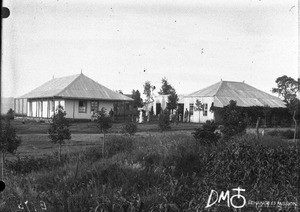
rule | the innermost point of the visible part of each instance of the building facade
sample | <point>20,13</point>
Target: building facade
<point>220,94</point>
<point>77,94</point>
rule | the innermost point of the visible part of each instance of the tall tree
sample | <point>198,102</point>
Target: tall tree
<point>199,107</point>
<point>59,129</point>
<point>137,100</point>
<point>287,88</point>
<point>148,91</point>
<point>166,87</point>
<point>172,101</point>
<point>104,122</point>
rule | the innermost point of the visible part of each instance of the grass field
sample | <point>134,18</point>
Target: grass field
<point>39,144</point>
<point>35,141</point>
<point>149,172</point>
<point>34,127</point>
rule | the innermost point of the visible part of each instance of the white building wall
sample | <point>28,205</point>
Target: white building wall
<point>28,109</point>
<point>195,117</point>
<point>72,108</point>
<point>69,108</point>
<point>162,100</point>
<point>34,109</point>
<point>45,109</point>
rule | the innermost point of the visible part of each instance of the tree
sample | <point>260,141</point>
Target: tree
<point>166,88</point>
<point>59,129</point>
<point>164,120</point>
<point>172,101</point>
<point>234,122</point>
<point>9,141</point>
<point>137,100</point>
<point>199,107</point>
<point>104,123</point>
<point>148,91</point>
<point>294,107</point>
<point>287,88</point>
<point>119,91</point>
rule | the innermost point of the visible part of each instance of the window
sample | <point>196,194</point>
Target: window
<point>94,106</point>
<point>82,107</point>
<point>191,109</point>
<point>126,106</point>
<point>205,109</point>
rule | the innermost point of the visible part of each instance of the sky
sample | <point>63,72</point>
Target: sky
<point>121,44</point>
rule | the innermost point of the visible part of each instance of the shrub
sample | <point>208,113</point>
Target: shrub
<point>274,133</point>
<point>93,154</point>
<point>117,144</point>
<point>104,122</point>
<point>287,134</point>
<point>9,141</point>
<point>234,122</point>
<point>10,114</point>
<point>29,164</point>
<point>164,120</point>
<point>130,128</point>
<point>59,128</point>
<point>206,134</point>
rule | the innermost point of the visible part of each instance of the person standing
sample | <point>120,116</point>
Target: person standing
<point>186,115</point>
<point>111,114</point>
<point>176,117</point>
<point>92,115</point>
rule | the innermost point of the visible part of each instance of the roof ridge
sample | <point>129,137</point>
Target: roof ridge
<point>218,88</point>
<point>69,83</point>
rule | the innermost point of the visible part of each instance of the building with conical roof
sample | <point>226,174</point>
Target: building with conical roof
<point>219,95</point>
<point>78,94</point>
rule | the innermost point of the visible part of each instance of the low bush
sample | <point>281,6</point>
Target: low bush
<point>93,154</point>
<point>130,128</point>
<point>274,133</point>
<point>206,134</point>
<point>287,134</point>
<point>29,164</point>
<point>164,120</point>
<point>10,114</point>
<point>117,144</point>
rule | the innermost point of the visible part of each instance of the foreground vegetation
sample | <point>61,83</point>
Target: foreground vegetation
<point>154,173</point>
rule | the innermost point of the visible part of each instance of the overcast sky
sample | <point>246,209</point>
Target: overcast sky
<point>121,44</point>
